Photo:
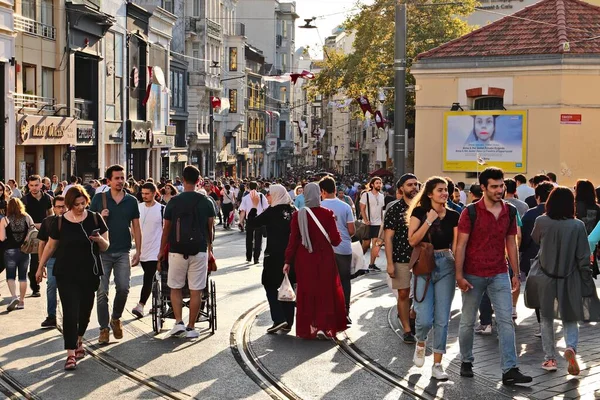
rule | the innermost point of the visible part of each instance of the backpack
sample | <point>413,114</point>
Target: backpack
<point>186,235</point>
<point>512,214</point>
<point>31,242</point>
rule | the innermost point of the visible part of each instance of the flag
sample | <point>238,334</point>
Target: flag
<point>225,105</point>
<point>480,160</point>
<point>379,120</point>
<point>304,75</point>
<point>148,88</point>
<point>215,102</point>
<point>364,105</point>
<point>278,78</point>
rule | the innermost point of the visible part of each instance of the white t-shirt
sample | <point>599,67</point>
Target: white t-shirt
<point>151,222</point>
<point>524,191</point>
<point>102,189</point>
<point>376,204</point>
<point>66,189</point>
<point>247,205</point>
<point>463,197</point>
<point>228,198</point>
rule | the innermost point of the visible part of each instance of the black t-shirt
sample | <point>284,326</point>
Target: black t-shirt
<point>74,252</point>
<point>214,196</point>
<point>37,209</point>
<point>441,231</point>
<point>44,232</point>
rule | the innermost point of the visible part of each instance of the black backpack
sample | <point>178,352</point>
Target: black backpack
<point>512,214</point>
<point>186,236</point>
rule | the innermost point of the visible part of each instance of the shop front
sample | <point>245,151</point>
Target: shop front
<point>86,152</point>
<point>43,145</point>
<point>140,140</point>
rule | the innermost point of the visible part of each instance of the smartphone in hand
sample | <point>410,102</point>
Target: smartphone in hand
<point>95,232</point>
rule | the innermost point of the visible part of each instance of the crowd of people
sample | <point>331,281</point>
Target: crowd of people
<point>484,240</point>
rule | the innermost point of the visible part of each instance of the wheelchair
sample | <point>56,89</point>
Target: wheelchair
<point>161,301</point>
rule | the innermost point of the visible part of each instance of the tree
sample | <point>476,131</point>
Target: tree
<point>370,66</point>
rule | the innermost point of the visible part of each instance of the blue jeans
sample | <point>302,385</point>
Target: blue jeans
<point>434,310</point>
<point>499,290</point>
<point>571,334</point>
<point>16,261</point>
<point>51,289</point>
<point>119,264</point>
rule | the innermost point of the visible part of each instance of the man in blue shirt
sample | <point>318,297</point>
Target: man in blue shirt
<point>451,204</point>
<point>344,219</point>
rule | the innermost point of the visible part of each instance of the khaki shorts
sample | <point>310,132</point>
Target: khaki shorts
<point>402,276</point>
<point>194,269</point>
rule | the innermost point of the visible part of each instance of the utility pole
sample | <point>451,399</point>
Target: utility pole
<point>400,90</point>
<point>211,145</point>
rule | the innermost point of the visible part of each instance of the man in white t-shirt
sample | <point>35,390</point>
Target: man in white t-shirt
<point>371,210</point>
<point>253,236</point>
<point>523,189</point>
<point>151,223</point>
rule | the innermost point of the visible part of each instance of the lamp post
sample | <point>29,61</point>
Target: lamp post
<point>400,90</point>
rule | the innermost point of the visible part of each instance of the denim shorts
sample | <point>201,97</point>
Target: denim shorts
<point>16,261</point>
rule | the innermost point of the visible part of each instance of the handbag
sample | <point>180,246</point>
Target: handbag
<point>286,290</point>
<point>362,231</point>
<point>422,263</point>
<point>31,242</point>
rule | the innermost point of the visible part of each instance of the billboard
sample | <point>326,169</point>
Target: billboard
<point>476,139</point>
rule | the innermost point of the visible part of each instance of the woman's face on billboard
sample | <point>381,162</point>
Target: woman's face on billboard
<point>484,127</point>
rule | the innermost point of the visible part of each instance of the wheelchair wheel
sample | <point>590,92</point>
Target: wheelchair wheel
<point>157,306</point>
<point>213,306</point>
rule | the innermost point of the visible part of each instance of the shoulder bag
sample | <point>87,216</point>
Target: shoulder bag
<point>422,263</point>
<point>363,231</point>
<point>309,211</point>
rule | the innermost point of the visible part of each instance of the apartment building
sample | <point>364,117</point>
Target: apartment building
<point>7,87</point>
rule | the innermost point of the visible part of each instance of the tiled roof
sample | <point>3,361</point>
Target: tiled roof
<point>546,27</point>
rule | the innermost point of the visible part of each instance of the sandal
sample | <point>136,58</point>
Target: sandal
<point>71,363</point>
<point>80,352</point>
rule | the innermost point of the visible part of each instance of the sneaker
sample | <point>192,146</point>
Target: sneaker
<point>49,323</point>
<point>374,267</point>
<point>538,332</point>
<point>321,335</point>
<point>138,311</point>
<point>117,328</point>
<point>104,336</point>
<point>514,376</point>
<point>419,356</point>
<point>36,294</point>
<point>437,372</point>
<point>466,369</point>
<point>287,328</point>
<point>409,338</point>
<point>177,329</point>
<point>549,365</point>
<point>13,304</point>
<point>20,306</point>
<point>256,262</point>
<point>276,327</point>
<point>514,313</point>
<point>484,329</point>
<point>191,333</point>
<point>573,368</point>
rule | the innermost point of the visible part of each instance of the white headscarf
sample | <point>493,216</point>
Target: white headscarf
<point>312,199</point>
<point>279,195</point>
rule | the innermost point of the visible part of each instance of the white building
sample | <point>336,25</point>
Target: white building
<point>7,77</point>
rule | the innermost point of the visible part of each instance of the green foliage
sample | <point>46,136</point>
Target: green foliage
<point>370,66</point>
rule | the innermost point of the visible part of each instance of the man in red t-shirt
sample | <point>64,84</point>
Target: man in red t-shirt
<point>481,266</point>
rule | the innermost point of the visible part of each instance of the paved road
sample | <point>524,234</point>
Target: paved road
<point>369,361</point>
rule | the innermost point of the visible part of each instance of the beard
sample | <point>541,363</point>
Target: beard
<point>377,189</point>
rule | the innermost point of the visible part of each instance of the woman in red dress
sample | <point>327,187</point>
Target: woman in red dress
<point>320,305</point>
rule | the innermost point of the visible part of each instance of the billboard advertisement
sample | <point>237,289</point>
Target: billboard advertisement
<point>476,139</point>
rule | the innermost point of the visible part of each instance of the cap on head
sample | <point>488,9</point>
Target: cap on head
<point>405,178</point>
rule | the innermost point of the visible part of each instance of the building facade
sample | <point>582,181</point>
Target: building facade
<point>8,137</point>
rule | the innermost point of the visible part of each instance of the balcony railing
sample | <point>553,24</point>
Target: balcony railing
<point>192,24</point>
<point>214,29</point>
<point>86,109</point>
<point>29,101</point>
<point>34,27</point>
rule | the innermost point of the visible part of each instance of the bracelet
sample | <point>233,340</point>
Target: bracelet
<point>428,223</point>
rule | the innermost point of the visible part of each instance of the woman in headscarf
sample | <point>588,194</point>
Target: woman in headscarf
<point>276,218</point>
<point>321,308</point>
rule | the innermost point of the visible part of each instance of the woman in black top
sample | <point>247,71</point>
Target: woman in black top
<point>433,222</point>
<point>277,219</point>
<point>76,240</point>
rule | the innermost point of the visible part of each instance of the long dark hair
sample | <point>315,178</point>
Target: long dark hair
<point>561,204</point>
<point>585,193</point>
<point>422,198</point>
<point>4,192</point>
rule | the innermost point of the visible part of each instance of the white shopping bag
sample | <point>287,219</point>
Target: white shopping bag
<point>286,291</point>
<point>358,260</point>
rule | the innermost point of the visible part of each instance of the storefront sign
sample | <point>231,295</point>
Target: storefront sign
<point>164,141</point>
<point>171,130</point>
<point>42,130</point>
<point>113,133</point>
<point>140,134</point>
<point>271,144</point>
<point>570,119</point>
<point>86,135</point>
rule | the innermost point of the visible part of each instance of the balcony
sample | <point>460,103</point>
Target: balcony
<point>86,109</point>
<point>31,102</point>
<point>214,29</point>
<point>33,27</point>
<point>193,25</point>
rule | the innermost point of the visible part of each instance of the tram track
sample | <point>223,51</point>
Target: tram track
<point>242,350</point>
<point>13,389</point>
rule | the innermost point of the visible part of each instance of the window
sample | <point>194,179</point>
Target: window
<point>488,103</point>
<point>119,55</point>
<point>47,13</point>
<point>284,63</point>
<point>196,56</point>
<point>28,79</point>
<point>283,94</point>
<point>168,5</point>
<point>28,8</point>
<point>177,88</point>
<point>196,6</point>
<point>233,101</point>
<point>233,58</point>
<point>48,83</point>
<point>282,127</point>
<point>251,95</point>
